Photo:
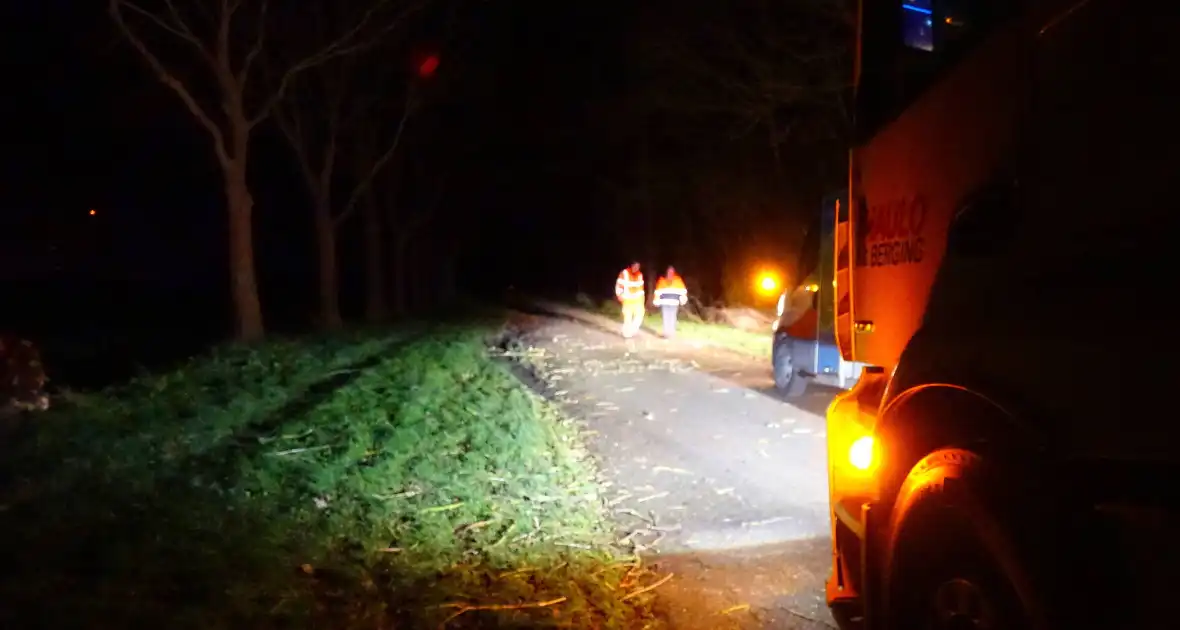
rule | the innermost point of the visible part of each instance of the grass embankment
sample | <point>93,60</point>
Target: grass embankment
<point>364,482</point>
<point>692,327</point>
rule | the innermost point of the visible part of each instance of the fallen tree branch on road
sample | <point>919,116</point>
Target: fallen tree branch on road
<point>650,587</point>
<point>466,608</point>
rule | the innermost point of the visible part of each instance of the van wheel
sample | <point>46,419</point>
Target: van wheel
<point>787,378</point>
<point>946,576</point>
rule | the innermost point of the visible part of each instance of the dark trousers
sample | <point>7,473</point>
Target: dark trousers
<point>669,312</point>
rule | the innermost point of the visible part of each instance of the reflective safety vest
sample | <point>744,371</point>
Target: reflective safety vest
<point>670,291</point>
<point>629,286</point>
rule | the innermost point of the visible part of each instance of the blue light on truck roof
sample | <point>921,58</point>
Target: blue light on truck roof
<point>910,7</point>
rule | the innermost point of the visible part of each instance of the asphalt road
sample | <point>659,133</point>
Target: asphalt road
<point>720,482</point>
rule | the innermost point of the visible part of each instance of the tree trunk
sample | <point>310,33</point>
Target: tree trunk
<point>398,274</point>
<point>243,282</point>
<point>425,274</point>
<point>376,307</point>
<point>447,281</point>
<point>325,230</point>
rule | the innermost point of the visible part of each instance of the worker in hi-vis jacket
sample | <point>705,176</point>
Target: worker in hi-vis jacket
<point>670,295</point>
<point>629,291</point>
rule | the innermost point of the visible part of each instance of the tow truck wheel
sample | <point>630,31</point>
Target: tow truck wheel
<point>787,378</point>
<point>945,576</point>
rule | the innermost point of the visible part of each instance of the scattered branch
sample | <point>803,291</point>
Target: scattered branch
<point>650,587</point>
<point>466,608</point>
<point>441,508</point>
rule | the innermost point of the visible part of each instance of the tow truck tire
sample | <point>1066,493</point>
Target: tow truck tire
<point>945,575</point>
<point>787,378</point>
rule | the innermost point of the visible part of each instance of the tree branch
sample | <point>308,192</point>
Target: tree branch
<point>178,28</point>
<point>346,44</point>
<point>291,127</point>
<point>255,48</point>
<point>114,7</point>
<point>329,164</point>
<point>291,117</point>
<point>361,186</point>
<point>230,7</point>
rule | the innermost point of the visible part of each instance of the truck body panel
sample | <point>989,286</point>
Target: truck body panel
<point>960,129</point>
<point>1026,302</point>
<point>1010,220</point>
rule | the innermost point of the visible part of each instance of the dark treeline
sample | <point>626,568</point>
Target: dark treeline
<point>306,157</point>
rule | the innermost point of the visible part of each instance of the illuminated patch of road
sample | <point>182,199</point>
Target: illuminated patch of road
<point>720,484</point>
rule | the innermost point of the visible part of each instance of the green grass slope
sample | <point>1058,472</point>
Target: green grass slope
<point>403,479</point>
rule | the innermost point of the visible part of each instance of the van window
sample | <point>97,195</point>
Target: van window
<point>917,25</point>
<point>908,45</point>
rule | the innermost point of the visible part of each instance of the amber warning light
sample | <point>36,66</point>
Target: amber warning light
<point>861,454</point>
<point>767,283</point>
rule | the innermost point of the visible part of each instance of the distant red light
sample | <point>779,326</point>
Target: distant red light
<point>93,212</point>
<point>428,66</point>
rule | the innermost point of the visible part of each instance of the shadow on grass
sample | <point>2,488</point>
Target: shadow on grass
<point>114,560</point>
<point>103,547</point>
<point>318,392</point>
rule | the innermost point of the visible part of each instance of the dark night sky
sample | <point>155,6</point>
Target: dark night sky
<point>115,140</point>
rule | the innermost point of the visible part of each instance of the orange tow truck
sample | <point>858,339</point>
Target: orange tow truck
<point>1008,458</point>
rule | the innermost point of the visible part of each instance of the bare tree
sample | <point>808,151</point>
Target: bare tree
<point>390,217</point>
<point>223,40</point>
<point>782,69</point>
<point>396,209</point>
<point>328,118</point>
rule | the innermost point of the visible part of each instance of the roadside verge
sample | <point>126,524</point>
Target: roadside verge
<point>401,478</point>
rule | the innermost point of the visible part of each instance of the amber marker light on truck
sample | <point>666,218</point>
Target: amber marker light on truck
<point>862,453</point>
<point>854,453</point>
